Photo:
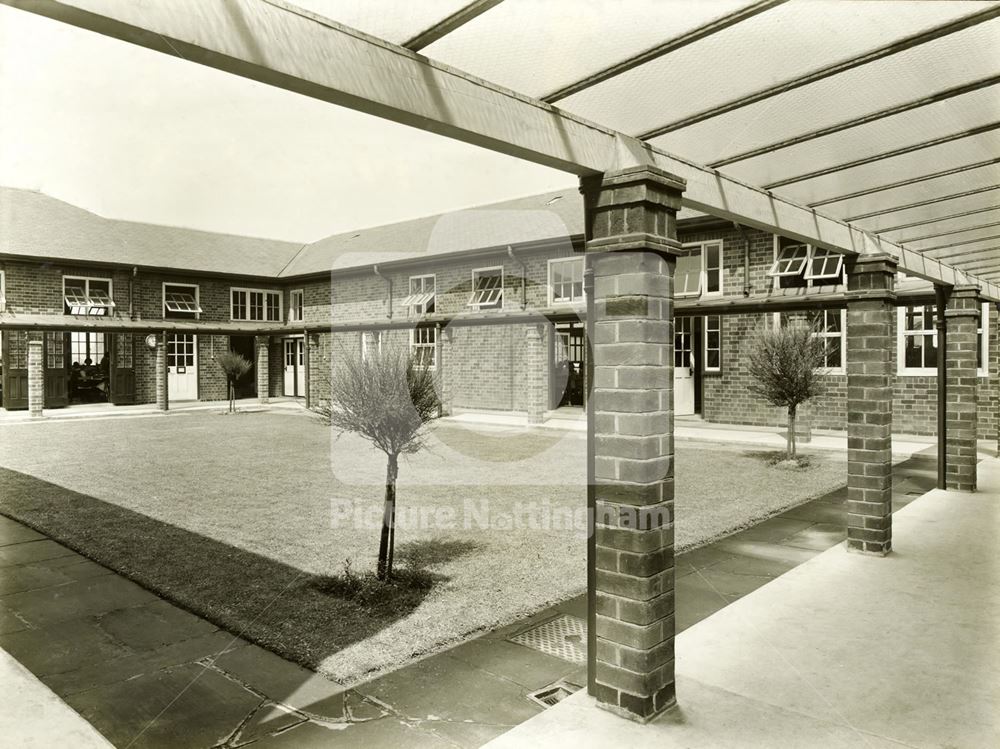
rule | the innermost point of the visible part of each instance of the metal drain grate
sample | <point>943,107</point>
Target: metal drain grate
<point>564,637</point>
<point>551,695</point>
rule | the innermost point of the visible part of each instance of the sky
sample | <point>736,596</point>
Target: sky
<point>130,133</point>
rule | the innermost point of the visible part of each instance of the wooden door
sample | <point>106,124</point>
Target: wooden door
<point>56,374</point>
<point>15,369</point>
<point>122,369</point>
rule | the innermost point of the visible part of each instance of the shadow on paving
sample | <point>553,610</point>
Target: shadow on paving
<point>148,674</point>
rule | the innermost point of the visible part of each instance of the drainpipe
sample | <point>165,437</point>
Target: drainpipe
<point>131,292</point>
<point>524,276</point>
<point>941,298</point>
<point>388,291</point>
<point>746,257</point>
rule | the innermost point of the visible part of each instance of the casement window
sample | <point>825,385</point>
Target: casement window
<point>83,346</point>
<point>295,306</point>
<point>917,341</point>
<point>371,343</point>
<point>55,351</point>
<point>830,326</point>
<point>565,280</point>
<point>3,292</point>
<point>423,346</point>
<point>87,296</point>
<point>255,305</point>
<point>700,272</point>
<point>420,300</point>
<point>801,265</point>
<point>487,289</point>
<point>713,343</point>
<point>180,300</point>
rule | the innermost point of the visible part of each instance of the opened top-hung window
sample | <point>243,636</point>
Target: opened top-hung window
<point>87,296</point>
<point>421,297</point>
<point>180,300</point>
<point>487,289</point>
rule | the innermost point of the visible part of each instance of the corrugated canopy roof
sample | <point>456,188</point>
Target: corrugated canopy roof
<point>883,114</point>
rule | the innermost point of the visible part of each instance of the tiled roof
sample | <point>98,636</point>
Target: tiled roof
<point>35,225</point>
<point>553,215</point>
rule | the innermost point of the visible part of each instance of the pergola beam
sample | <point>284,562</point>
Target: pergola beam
<point>456,20</point>
<point>286,47</point>
<point>882,156</point>
<point>893,48</point>
<point>671,45</point>
<point>939,96</point>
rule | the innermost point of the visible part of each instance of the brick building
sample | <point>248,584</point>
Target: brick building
<point>492,298</point>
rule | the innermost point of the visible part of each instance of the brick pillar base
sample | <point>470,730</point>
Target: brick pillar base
<point>535,374</point>
<point>36,378</point>
<point>962,318</point>
<point>871,317</point>
<point>631,234</point>
<point>162,396</point>
<point>263,375</point>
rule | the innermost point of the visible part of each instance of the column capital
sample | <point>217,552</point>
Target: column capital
<point>963,301</point>
<point>632,209</point>
<point>871,277</point>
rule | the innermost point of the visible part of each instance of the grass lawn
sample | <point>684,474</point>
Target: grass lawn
<point>233,518</point>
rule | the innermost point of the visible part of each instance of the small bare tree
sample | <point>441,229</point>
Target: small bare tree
<point>785,363</point>
<point>387,399</point>
<point>234,366</point>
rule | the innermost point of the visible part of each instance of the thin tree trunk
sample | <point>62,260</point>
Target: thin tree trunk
<point>386,539</point>
<point>791,433</point>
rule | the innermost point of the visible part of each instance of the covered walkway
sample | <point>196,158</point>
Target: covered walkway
<point>844,650</point>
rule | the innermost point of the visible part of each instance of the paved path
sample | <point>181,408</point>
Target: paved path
<point>146,673</point>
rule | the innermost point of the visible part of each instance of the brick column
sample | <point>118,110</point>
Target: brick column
<point>631,239</point>
<point>36,378</point>
<point>871,339</point>
<point>263,375</point>
<point>162,396</point>
<point>535,374</point>
<point>962,317</point>
<point>445,344</point>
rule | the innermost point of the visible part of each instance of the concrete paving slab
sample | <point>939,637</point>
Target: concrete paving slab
<point>266,720</point>
<point>12,532</point>
<point>820,536</point>
<point>284,682</point>
<point>78,599</point>
<point>153,624</point>
<point>77,568</point>
<point>773,530</point>
<point>62,646</point>
<point>447,688</point>
<point>30,577</point>
<point>127,667</point>
<point>11,621</point>
<point>32,551</point>
<point>32,717</point>
<point>524,666</point>
<point>189,706</point>
<point>818,512</point>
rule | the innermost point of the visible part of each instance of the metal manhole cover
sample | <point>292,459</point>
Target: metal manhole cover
<point>564,637</point>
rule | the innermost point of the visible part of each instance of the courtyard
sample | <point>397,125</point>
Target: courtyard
<point>279,504</point>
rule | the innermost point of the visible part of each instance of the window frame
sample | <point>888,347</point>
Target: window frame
<point>264,305</point>
<point>809,280</point>
<point>479,306</point>
<point>300,312</point>
<point>421,307</point>
<point>377,336</point>
<point>89,305</point>
<point>197,300</point>
<point>983,334</point>
<point>703,277</point>
<point>3,291</point>
<point>424,345</point>
<point>575,300</point>
<point>705,347</point>
<point>841,369</point>
<point>902,334</point>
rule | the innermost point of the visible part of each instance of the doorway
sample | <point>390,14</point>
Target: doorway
<point>182,366</point>
<point>684,366</point>
<point>294,367</point>
<point>568,362</point>
<point>88,366</point>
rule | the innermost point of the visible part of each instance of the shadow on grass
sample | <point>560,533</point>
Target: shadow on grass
<point>277,606</point>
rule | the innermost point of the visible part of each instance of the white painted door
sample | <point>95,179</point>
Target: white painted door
<point>294,367</point>
<point>182,367</point>
<point>683,366</point>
